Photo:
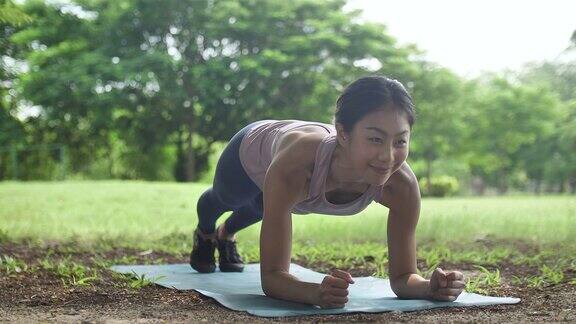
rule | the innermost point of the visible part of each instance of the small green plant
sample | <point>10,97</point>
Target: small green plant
<point>381,271</point>
<point>552,275</point>
<point>516,280</point>
<point>251,254</point>
<point>11,265</point>
<point>535,281</point>
<point>46,264</point>
<point>138,281</point>
<point>548,276</point>
<point>102,262</point>
<point>435,256</point>
<point>432,260</point>
<point>428,272</point>
<point>71,273</point>
<point>159,261</point>
<point>493,257</point>
<point>340,263</point>
<point>485,280</point>
<point>126,259</point>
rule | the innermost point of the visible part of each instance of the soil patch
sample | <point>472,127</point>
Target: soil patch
<point>41,296</point>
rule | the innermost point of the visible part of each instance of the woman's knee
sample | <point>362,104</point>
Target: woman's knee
<point>226,198</point>
<point>206,199</point>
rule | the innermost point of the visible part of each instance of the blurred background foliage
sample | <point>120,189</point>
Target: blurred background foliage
<point>142,89</point>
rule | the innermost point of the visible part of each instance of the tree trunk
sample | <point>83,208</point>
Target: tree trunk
<point>110,159</point>
<point>190,163</point>
<point>564,186</point>
<point>179,173</point>
<point>428,175</point>
<point>478,185</point>
<point>502,182</point>
<point>538,186</point>
<point>190,172</point>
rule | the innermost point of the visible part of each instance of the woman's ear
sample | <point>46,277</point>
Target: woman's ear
<point>342,136</point>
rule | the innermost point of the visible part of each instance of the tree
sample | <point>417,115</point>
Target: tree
<point>224,64</point>
<point>11,15</point>
<point>60,50</point>
<point>11,129</point>
<point>506,119</point>
<point>189,73</point>
<point>558,168</point>
<point>438,132</point>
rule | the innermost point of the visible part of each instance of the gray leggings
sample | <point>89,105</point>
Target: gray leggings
<point>232,190</point>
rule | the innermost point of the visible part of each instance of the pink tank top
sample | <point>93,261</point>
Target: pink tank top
<point>256,155</point>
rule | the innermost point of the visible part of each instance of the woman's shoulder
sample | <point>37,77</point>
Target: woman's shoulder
<point>295,158</point>
<point>296,150</point>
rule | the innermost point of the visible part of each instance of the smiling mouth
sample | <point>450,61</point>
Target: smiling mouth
<point>380,170</point>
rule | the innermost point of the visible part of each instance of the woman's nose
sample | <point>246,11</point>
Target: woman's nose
<point>386,155</point>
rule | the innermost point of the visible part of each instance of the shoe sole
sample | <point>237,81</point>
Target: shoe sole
<point>203,269</point>
<point>231,268</point>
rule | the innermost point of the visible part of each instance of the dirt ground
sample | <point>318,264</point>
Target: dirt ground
<point>41,296</point>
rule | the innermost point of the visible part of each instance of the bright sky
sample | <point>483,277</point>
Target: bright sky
<point>469,36</point>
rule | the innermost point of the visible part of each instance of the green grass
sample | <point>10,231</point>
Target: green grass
<point>487,279</point>
<point>138,212</point>
<point>102,215</point>
<point>135,281</point>
<point>10,265</point>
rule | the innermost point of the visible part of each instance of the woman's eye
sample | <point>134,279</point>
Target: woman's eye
<point>401,142</point>
<point>375,139</point>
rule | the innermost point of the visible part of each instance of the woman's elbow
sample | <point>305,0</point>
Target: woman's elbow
<point>267,285</point>
<point>266,289</point>
<point>397,290</point>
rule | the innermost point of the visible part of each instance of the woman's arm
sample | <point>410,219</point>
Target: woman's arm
<point>284,186</point>
<point>404,204</point>
<point>280,194</point>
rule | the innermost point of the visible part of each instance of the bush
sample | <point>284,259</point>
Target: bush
<point>441,186</point>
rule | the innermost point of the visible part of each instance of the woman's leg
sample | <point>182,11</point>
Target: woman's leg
<point>245,216</point>
<point>209,209</point>
<point>231,189</point>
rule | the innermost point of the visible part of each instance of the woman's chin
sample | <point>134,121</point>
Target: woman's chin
<point>379,179</point>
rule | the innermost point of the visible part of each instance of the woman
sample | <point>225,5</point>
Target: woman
<point>273,168</point>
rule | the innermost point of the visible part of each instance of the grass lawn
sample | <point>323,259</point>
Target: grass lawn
<point>130,211</point>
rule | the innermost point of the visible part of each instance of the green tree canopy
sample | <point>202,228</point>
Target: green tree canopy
<point>189,73</point>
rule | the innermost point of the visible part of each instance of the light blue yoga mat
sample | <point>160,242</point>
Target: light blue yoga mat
<point>242,291</point>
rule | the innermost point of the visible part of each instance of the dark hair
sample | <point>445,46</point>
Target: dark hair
<point>369,94</point>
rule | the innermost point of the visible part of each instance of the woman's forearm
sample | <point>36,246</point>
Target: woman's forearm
<point>282,285</point>
<point>410,286</point>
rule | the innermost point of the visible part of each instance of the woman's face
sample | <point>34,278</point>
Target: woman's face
<point>377,145</point>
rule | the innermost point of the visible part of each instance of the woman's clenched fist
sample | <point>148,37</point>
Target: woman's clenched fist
<point>445,286</point>
<point>333,291</point>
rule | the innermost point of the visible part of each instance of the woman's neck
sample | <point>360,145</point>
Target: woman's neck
<point>340,171</point>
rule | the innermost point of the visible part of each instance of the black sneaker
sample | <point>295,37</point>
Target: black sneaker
<point>228,257</point>
<point>202,255</point>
